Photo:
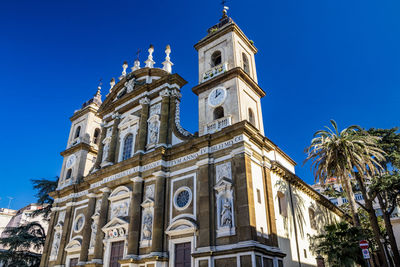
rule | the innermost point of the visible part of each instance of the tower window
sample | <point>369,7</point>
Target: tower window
<point>218,113</point>
<point>69,173</point>
<point>96,136</point>
<point>78,132</point>
<point>252,120</point>
<point>246,66</point>
<point>127,152</point>
<point>216,58</point>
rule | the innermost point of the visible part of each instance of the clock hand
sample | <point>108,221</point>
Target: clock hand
<point>217,93</point>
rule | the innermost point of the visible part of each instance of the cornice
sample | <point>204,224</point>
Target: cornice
<point>82,112</point>
<point>80,146</point>
<point>231,27</point>
<point>233,73</point>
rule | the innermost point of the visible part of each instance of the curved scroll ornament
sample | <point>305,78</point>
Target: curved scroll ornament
<point>178,119</point>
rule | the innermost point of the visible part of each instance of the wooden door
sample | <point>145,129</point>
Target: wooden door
<point>183,257</point>
<point>117,253</point>
<point>73,262</point>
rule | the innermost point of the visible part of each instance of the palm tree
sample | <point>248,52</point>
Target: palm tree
<point>341,155</point>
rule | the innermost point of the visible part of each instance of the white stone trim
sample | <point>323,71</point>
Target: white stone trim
<point>69,257</point>
<point>178,191</point>
<point>193,176</point>
<point>74,218</point>
<point>74,245</point>
<point>118,193</point>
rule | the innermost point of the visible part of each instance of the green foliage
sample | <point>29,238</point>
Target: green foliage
<point>19,240</point>
<point>390,143</point>
<point>339,244</point>
<point>44,187</point>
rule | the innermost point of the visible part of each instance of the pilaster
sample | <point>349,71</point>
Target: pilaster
<point>45,254</point>
<point>65,232</point>
<point>244,220</point>
<point>97,164</point>
<point>270,207</point>
<point>114,139</point>
<point>135,217</point>
<point>164,117</point>
<point>98,248</point>
<point>158,225</point>
<point>87,229</point>
<point>140,144</point>
<point>206,200</point>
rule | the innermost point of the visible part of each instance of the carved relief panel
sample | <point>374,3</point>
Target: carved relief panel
<point>147,217</point>
<point>57,236</point>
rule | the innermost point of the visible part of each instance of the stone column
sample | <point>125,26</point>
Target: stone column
<point>87,229</point>
<point>64,235</point>
<point>114,139</point>
<point>135,217</point>
<point>50,232</point>
<point>206,200</point>
<point>98,247</point>
<point>100,151</point>
<point>158,221</point>
<point>140,143</point>
<point>164,117</point>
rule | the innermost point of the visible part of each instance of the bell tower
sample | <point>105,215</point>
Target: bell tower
<point>83,142</point>
<point>228,91</point>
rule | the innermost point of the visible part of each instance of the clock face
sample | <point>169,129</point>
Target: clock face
<point>217,96</point>
<point>70,161</point>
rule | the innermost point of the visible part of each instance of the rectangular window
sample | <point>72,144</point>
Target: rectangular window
<point>258,196</point>
<point>282,204</point>
<point>73,262</point>
<point>305,253</point>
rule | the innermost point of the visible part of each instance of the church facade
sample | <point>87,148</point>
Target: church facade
<point>137,189</point>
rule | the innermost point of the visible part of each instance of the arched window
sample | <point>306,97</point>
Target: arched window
<point>216,58</point>
<point>96,136</point>
<point>218,113</point>
<point>311,214</point>
<point>127,152</point>
<point>77,132</point>
<point>69,173</point>
<point>252,120</point>
<point>246,66</point>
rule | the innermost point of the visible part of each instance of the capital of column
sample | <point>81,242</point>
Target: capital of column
<point>165,93</point>
<point>159,174</point>
<point>137,179</point>
<point>116,116</point>
<point>176,93</point>
<point>91,195</point>
<point>105,190</point>
<point>144,101</point>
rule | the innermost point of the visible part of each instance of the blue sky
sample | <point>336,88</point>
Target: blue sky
<point>318,60</point>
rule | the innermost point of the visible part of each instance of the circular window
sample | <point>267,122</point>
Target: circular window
<point>182,198</point>
<point>79,222</point>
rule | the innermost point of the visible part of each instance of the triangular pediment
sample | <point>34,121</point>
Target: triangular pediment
<point>148,202</point>
<point>114,223</point>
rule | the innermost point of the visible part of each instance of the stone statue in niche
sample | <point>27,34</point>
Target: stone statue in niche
<point>226,214</point>
<point>153,130</point>
<point>147,226</point>
<point>105,151</point>
<point>94,232</point>
<point>56,245</point>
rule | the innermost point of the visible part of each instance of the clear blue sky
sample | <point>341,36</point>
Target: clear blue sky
<point>317,60</point>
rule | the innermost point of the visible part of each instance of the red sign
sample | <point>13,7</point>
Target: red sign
<point>364,244</point>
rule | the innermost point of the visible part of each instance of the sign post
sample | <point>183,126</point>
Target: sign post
<point>364,247</point>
